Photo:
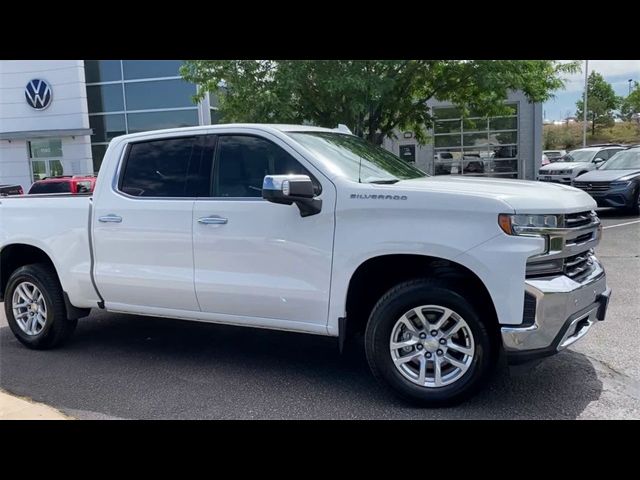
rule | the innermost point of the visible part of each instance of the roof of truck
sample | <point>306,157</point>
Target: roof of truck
<point>262,126</point>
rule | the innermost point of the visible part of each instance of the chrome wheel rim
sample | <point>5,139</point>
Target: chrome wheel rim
<point>29,308</point>
<point>431,346</point>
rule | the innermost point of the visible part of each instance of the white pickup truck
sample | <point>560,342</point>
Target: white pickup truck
<point>312,230</point>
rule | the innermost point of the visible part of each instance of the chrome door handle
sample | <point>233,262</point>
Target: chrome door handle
<point>212,220</point>
<point>111,218</point>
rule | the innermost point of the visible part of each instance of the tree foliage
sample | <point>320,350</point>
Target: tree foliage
<point>601,102</point>
<point>631,104</point>
<point>371,97</point>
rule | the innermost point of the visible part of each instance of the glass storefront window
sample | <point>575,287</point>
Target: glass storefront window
<point>503,123</point>
<point>135,69</point>
<point>97,153</point>
<point>102,71</point>
<point>141,122</point>
<point>475,146</point>
<point>215,116</point>
<point>45,148</point>
<point>106,127</point>
<point>40,153</point>
<point>159,94</point>
<point>447,126</point>
<point>39,169</point>
<point>105,98</point>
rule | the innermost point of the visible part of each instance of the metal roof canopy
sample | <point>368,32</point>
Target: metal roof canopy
<point>69,132</point>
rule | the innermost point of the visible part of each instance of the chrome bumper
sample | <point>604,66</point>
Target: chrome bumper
<point>565,311</point>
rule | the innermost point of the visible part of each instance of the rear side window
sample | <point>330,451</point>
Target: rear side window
<point>244,160</point>
<point>50,187</point>
<point>171,167</point>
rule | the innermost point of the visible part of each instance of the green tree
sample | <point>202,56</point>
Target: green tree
<point>631,104</point>
<point>371,97</point>
<point>601,102</point>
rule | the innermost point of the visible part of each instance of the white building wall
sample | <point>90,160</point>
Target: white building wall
<point>68,110</point>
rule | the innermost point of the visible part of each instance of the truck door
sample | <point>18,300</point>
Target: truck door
<point>142,225</point>
<point>256,261</point>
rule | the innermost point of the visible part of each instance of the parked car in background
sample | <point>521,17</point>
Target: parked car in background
<point>567,168</point>
<point>554,155</point>
<point>6,190</point>
<point>78,184</point>
<point>616,183</point>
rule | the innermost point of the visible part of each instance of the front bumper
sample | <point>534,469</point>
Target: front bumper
<point>564,179</point>
<point>565,310</point>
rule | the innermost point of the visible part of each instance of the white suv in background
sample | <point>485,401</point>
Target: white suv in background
<point>576,162</point>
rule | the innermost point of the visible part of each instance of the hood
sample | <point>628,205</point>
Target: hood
<point>605,175</point>
<point>564,166</point>
<point>523,196</point>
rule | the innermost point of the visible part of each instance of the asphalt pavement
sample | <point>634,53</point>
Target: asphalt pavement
<point>134,367</point>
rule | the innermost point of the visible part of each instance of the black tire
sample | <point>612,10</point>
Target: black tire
<point>57,328</point>
<point>391,307</point>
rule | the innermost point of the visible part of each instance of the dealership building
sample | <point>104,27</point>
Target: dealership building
<point>58,116</point>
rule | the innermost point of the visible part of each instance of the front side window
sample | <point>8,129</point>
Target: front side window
<point>242,161</point>
<point>172,167</point>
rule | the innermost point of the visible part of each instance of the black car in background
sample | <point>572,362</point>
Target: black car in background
<point>6,190</point>
<point>616,183</point>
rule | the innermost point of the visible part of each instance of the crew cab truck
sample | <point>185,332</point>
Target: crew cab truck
<point>312,230</point>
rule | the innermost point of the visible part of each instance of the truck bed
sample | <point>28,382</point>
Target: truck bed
<point>58,224</point>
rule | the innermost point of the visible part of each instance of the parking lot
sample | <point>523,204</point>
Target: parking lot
<point>120,366</point>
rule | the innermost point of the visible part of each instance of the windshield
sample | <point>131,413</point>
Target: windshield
<point>356,159</point>
<point>578,156</point>
<point>625,160</point>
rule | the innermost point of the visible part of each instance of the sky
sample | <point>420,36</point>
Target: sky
<point>616,72</point>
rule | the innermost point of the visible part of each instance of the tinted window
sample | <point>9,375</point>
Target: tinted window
<point>165,168</point>
<point>151,68</point>
<point>141,122</point>
<point>102,70</point>
<point>106,127</point>
<point>51,187</point>
<point>159,94</point>
<point>243,162</point>
<point>105,98</point>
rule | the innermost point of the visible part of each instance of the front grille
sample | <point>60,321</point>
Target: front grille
<point>574,220</point>
<point>592,186</point>
<point>579,266</point>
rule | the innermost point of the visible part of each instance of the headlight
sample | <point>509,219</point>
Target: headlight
<point>620,183</point>
<point>523,224</point>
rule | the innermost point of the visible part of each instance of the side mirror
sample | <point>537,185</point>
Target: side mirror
<point>290,189</point>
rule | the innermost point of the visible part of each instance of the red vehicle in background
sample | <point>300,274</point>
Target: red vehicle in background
<point>77,184</point>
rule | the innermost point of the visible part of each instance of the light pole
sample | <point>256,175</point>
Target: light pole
<point>584,104</point>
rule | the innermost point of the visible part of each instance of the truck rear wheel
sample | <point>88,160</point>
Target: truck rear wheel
<point>428,344</point>
<point>35,309</point>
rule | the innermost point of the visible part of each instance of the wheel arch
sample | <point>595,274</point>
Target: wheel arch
<point>376,275</point>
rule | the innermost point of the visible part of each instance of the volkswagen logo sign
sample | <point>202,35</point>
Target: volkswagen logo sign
<point>38,94</point>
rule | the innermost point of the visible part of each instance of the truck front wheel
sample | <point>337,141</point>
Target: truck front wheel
<point>35,309</point>
<point>428,344</point>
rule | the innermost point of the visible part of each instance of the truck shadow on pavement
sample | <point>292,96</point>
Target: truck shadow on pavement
<point>149,368</point>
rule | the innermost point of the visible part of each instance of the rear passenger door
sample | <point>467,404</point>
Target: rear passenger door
<point>142,225</point>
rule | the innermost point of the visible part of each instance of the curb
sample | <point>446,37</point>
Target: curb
<point>13,407</point>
